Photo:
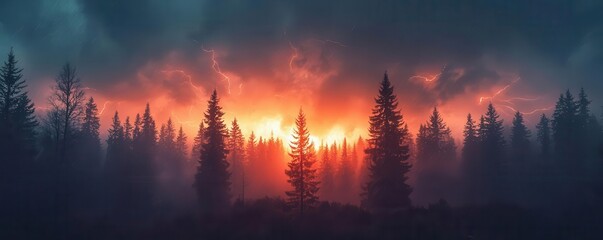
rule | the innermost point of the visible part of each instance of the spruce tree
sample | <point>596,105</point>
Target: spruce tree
<point>564,127</point>
<point>116,167</point>
<point>520,139</point>
<point>327,181</point>
<point>142,175</point>
<point>301,171</point>
<point>17,119</point>
<point>197,143</point>
<point>471,164</point>
<point>181,148</point>
<point>212,181</point>
<point>236,156</point>
<point>346,176</point>
<point>492,155</point>
<point>90,148</point>
<point>436,154</point>
<point>543,136</point>
<point>388,154</point>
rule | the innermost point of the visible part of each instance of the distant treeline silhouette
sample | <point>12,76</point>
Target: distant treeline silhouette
<point>55,179</point>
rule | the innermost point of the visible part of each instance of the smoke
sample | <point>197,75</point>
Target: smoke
<point>326,56</point>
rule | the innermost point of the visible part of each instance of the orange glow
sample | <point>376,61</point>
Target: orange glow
<point>300,74</point>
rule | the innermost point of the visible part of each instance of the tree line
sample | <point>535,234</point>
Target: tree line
<point>55,175</point>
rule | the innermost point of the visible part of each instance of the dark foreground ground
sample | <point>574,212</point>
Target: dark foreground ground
<point>271,219</point>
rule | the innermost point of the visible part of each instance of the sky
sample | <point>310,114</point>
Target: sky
<point>267,59</point>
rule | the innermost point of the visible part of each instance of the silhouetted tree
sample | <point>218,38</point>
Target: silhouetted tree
<point>117,168</point>
<point>17,119</point>
<point>436,154</point>
<point>301,171</point>
<point>327,172</point>
<point>68,99</point>
<point>520,139</point>
<point>212,180</point>
<point>90,148</point>
<point>346,176</point>
<point>197,143</point>
<point>142,173</point>
<point>543,136</point>
<point>564,128</point>
<point>388,154</point>
<point>17,146</point>
<point>492,155</point>
<point>471,162</point>
<point>236,156</point>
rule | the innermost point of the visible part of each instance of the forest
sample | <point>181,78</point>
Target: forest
<point>149,180</point>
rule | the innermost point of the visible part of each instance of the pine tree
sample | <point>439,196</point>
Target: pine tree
<point>301,171</point>
<point>520,139</point>
<point>181,148</point>
<point>436,152</point>
<point>116,168</point>
<point>544,136</point>
<point>388,154</point>
<point>142,175</point>
<point>90,147</point>
<point>492,155</point>
<point>236,154</point>
<point>346,176</point>
<point>197,143</point>
<point>471,164</point>
<point>327,181</point>
<point>212,181</point>
<point>128,132</point>
<point>115,141</point>
<point>17,119</point>
<point>435,145</point>
<point>564,127</point>
<point>470,141</point>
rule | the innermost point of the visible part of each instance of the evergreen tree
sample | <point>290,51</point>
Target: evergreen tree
<point>346,176</point>
<point>471,163</point>
<point>492,145</point>
<point>181,148</point>
<point>90,147</point>
<point>520,139</point>
<point>564,127</point>
<point>142,175</point>
<point>388,154</point>
<point>301,171</point>
<point>436,152</point>
<point>470,141</point>
<point>212,181</point>
<point>544,136</point>
<point>116,168</point>
<point>197,143</point>
<point>236,154</point>
<point>128,131</point>
<point>17,119</point>
<point>327,181</point>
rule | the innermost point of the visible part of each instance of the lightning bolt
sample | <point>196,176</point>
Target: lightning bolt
<point>430,78</point>
<point>510,101</point>
<point>188,78</point>
<point>216,66</point>
<point>426,79</point>
<point>100,113</point>
<point>481,99</point>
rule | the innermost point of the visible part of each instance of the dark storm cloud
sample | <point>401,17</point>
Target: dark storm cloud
<point>112,40</point>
